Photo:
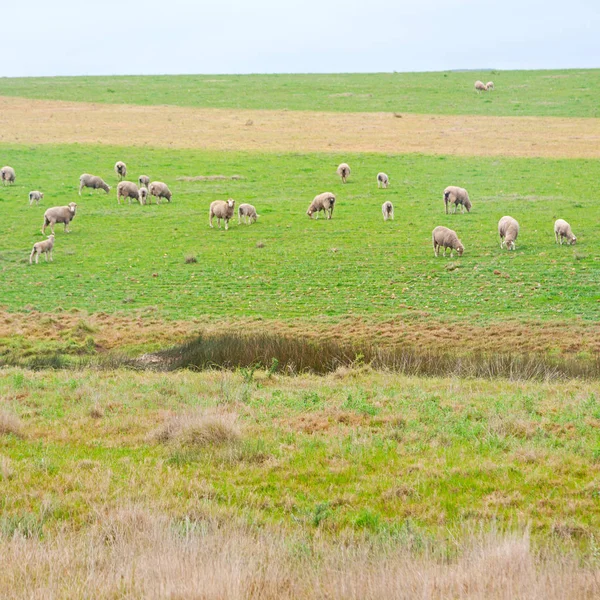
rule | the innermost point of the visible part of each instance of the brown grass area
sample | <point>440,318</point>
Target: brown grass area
<point>27,121</point>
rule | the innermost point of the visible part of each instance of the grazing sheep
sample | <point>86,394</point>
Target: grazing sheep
<point>456,195</point>
<point>508,230</point>
<point>144,180</point>
<point>563,230</point>
<point>480,87</point>
<point>489,85</point>
<point>143,195</point>
<point>221,210</point>
<point>35,197</point>
<point>128,189</point>
<point>92,181</point>
<point>160,190</point>
<point>44,248</point>
<point>443,237</point>
<point>323,202</point>
<point>120,169</point>
<point>247,213</point>
<point>7,174</point>
<point>382,180</point>
<point>344,172</point>
<point>387,208</point>
<point>59,214</point>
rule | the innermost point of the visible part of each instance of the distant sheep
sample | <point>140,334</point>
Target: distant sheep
<point>159,190</point>
<point>456,195</point>
<point>344,172</point>
<point>323,202</point>
<point>382,180</point>
<point>120,169</point>
<point>128,189</point>
<point>563,230</point>
<point>247,213</point>
<point>508,230</point>
<point>221,210</point>
<point>143,195</point>
<point>35,197</point>
<point>480,87</point>
<point>7,174</point>
<point>442,237</point>
<point>92,181</point>
<point>387,208</point>
<point>489,86</point>
<point>144,180</point>
<point>59,214</point>
<point>44,248</point>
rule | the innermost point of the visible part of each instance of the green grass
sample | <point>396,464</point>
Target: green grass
<point>571,93</point>
<point>131,257</point>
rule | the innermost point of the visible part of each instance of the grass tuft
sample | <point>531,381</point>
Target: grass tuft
<point>10,424</point>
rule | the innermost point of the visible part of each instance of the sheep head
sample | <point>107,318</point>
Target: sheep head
<point>72,207</point>
<point>231,203</point>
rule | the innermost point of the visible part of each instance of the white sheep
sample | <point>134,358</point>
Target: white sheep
<point>456,195</point>
<point>59,214</point>
<point>480,87</point>
<point>323,202</point>
<point>144,180</point>
<point>44,248</point>
<point>120,169</point>
<point>7,174</point>
<point>563,230</point>
<point>344,172</point>
<point>442,237</point>
<point>387,208</point>
<point>508,230</point>
<point>222,210</point>
<point>489,86</point>
<point>247,213</point>
<point>92,181</point>
<point>143,195</point>
<point>382,180</point>
<point>159,190</point>
<point>128,189</point>
<point>35,196</point>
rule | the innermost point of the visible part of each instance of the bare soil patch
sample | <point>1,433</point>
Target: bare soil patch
<point>26,121</point>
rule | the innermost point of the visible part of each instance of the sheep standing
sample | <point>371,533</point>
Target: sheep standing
<point>59,214</point>
<point>247,213</point>
<point>44,248</point>
<point>323,202</point>
<point>456,195</point>
<point>92,181</point>
<point>143,195</point>
<point>128,189</point>
<point>387,208</point>
<point>344,172</point>
<point>120,169</point>
<point>35,197</point>
<point>159,190</point>
<point>489,86</point>
<point>563,230</point>
<point>508,230</point>
<point>480,87</point>
<point>382,180</point>
<point>144,180</point>
<point>221,210</point>
<point>7,174</point>
<point>442,237</point>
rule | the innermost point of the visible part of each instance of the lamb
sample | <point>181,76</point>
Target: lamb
<point>144,180</point>
<point>120,169</point>
<point>387,208</point>
<point>44,248</point>
<point>382,180</point>
<point>128,189</point>
<point>160,190</point>
<point>508,230</point>
<point>221,210</point>
<point>35,197</point>
<point>323,202</point>
<point>443,237</point>
<point>59,214</point>
<point>143,195</point>
<point>563,230</point>
<point>480,87</point>
<point>92,181</point>
<point>7,174</point>
<point>456,195</point>
<point>247,213</point>
<point>344,172</point>
<point>489,85</point>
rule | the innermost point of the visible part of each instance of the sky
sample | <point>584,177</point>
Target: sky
<point>79,37</point>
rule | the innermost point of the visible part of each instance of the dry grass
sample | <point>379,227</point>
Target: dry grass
<point>10,424</point>
<point>54,122</point>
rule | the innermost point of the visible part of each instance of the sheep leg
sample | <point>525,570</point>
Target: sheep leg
<point>226,224</point>
<point>210,218</point>
<point>51,259</point>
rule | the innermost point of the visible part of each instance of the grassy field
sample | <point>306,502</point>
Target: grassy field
<point>570,93</point>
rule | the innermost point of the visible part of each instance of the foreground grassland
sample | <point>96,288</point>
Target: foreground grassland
<point>126,258</point>
<point>571,93</point>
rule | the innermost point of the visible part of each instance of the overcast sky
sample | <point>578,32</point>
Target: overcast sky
<point>79,37</point>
